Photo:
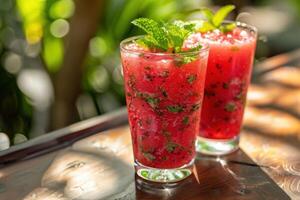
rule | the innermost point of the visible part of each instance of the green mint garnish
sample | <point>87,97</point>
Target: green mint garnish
<point>230,107</point>
<point>185,120</point>
<point>156,34</point>
<point>171,146</point>
<point>175,109</point>
<point>215,20</point>
<point>185,59</point>
<point>196,48</point>
<point>150,99</point>
<point>191,78</point>
<point>168,37</point>
<point>149,156</point>
<point>181,60</point>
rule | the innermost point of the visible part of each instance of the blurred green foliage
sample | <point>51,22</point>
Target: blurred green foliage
<point>44,24</point>
<point>15,109</point>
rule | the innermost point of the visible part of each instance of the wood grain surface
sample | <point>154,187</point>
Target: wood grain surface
<point>100,167</point>
<point>93,159</point>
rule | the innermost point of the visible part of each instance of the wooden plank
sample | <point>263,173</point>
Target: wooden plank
<point>272,121</point>
<point>231,177</point>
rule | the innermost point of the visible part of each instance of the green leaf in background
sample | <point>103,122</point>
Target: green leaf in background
<point>228,27</point>
<point>221,14</point>
<point>206,26</point>
<point>62,9</point>
<point>208,14</point>
<point>53,53</point>
<point>214,21</point>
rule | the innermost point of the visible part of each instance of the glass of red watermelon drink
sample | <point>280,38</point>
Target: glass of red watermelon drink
<point>228,76</point>
<point>164,92</point>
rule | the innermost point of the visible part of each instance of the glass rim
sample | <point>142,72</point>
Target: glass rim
<point>243,25</point>
<point>205,48</point>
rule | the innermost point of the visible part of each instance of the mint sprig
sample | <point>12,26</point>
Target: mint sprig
<point>156,34</point>
<point>167,37</point>
<point>215,20</point>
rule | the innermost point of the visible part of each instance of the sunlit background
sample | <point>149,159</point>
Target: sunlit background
<point>59,59</point>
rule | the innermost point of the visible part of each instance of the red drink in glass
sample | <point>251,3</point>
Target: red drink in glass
<point>164,96</point>
<point>228,76</point>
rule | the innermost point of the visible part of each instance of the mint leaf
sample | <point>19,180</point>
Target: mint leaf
<point>178,31</point>
<point>181,60</point>
<point>230,107</point>
<point>175,109</point>
<point>154,30</point>
<point>228,27</point>
<point>189,26</point>
<point>171,146</point>
<point>153,102</point>
<point>176,37</point>
<point>149,156</point>
<point>150,99</point>
<point>191,78</point>
<point>221,14</point>
<point>147,42</point>
<point>206,26</point>
<point>185,120</point>
<point>215,20</point>
<point>208,14</point>
<point>196,48</point>
<point>165,36</point>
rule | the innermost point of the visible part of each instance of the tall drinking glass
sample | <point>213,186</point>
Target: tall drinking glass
<point>164,94</point>
<point>228,76</point>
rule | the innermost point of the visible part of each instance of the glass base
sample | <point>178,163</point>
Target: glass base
<point>163,175</point>
<point>217,147</point>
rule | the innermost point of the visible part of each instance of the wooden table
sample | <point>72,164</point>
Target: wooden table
<point>93,159</point>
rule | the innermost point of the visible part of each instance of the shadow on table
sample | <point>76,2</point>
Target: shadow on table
<point>98,167</point>
<point>272,120</point>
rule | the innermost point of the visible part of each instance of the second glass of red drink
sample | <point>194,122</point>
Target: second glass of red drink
<point>228,76</point>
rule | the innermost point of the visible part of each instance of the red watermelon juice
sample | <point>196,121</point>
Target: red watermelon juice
<point>228,75</point>
<point>164,93</point>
